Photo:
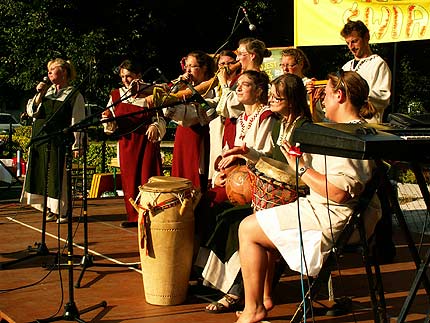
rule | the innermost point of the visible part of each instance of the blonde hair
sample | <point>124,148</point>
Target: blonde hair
<point>299,56</point>
<point>65,66</point>
<point>256,47</point>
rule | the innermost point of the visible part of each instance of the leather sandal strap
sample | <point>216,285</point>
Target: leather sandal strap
<point>230,299</point>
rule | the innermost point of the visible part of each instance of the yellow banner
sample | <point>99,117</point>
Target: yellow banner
<point>319,22</point>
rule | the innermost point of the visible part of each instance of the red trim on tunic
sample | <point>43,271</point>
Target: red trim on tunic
<point>229,132</point>
<point>191,145</point>
<point>265,115</point>
<point>140,159</point>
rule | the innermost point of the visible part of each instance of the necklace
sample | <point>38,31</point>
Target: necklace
<point>249,121</point>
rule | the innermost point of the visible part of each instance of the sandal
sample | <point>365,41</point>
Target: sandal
<point>233,305</point>
<point>51,217</point>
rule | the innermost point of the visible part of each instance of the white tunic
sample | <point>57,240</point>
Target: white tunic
<point>378,76</point>
<point>320,222</point>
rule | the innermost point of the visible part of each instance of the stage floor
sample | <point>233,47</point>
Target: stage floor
<point>31,290</point>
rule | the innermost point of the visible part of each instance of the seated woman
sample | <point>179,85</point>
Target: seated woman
<point>287,99</point>
<point>252,129</point>
<point>335,184</point>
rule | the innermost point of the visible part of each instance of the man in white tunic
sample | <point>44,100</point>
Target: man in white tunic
<point>370,66</point>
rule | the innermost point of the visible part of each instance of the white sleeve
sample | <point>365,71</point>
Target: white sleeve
<point>263,142</point>
<point>78,114</point>
<point>110,126</point>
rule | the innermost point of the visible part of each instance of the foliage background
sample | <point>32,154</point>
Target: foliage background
<point>97,35</point>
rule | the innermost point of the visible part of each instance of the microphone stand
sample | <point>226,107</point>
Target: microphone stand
<point>235,27</point>
<point>88,259</point>
<point>71,312</point>
<point>41,250</point>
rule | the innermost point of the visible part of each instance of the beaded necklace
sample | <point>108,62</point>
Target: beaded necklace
<point>249,121</point>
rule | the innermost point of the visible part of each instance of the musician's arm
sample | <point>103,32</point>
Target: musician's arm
<point>157,129</point>
<point>110,126</point>
<point>315,180</point>
<point>263,143</point>
<point>228,105</point>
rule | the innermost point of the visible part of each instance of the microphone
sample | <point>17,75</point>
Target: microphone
<point>251,25</point>
<point>46,81</point>
<point>197,97</point>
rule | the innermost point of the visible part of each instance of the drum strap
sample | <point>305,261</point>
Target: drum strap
<point>143,231</point>
<point>166,204</point>
<point>152,210</point>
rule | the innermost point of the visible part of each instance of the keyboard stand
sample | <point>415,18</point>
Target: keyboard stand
<point>422,266</point>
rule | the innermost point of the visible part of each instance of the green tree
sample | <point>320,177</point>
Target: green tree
<point>97,35</point>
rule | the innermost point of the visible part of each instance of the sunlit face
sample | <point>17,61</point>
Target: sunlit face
<point>331,100</point>
<point>195,72</point>
<point>277,103</point>
<point>244,57</point>
<point>246,90</point>
<point>357,45</point>
<point>56,74</point>
<point>127,76</point>
<point>289,65</point>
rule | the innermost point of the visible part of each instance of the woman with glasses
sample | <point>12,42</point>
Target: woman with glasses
<point>294,61</point>
<point>191,149</point>
<point>140,135</point>
<point>335,184</point>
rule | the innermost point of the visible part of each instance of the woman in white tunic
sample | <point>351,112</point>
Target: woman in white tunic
<point>335,184</point>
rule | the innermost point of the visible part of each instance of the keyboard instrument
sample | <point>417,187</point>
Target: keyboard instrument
<point>365,141</point>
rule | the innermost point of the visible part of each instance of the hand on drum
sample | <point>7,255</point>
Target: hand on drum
<point>221,179</point>
<point>237,150</point>
<point>227,162</point>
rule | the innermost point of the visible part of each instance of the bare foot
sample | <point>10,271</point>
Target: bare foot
<point>268,303</point>
<point>248,316</point>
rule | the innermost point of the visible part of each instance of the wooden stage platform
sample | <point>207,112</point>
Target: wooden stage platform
<point>32,290</point>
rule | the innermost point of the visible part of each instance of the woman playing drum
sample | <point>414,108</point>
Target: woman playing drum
<point>336,180</point>
<point>252,128</point>
<point>287,98</point>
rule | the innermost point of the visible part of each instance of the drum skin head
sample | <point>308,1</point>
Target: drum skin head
<point>275,169</point>
<point>159,184</point>
<point>169,179</point>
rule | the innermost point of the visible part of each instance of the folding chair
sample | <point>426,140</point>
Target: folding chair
<point>365,246</point>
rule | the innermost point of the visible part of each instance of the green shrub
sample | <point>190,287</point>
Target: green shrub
<point>96,152</point>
